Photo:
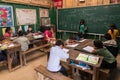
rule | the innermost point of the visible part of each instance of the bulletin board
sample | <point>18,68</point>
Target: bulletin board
<point>6,16</point>
<point>26,16</point>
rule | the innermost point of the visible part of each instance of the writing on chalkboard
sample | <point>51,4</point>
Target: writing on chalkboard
<point>97,18</point>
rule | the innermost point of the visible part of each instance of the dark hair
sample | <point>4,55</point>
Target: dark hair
<point>7,29</point>
<point>107,36</point>
<point>72,37</point>
<point>59,42</point>
<point>98,44</point>
<point>112,27</point>
<point>48,28</point>
<point>29,31</point>
<point>20,33</point>
<point>82,21</point>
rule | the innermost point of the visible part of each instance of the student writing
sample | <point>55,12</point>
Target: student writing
<point>57,53</point>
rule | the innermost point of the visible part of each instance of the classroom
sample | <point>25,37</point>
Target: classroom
<point>59,39</point>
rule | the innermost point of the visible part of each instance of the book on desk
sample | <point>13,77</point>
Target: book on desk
<point>88,58</point>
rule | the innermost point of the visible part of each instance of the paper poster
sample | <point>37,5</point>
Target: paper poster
<point>26,16</point>
<point>6,16</point>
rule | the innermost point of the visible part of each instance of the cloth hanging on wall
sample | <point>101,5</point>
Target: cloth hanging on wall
<point>58,3</point>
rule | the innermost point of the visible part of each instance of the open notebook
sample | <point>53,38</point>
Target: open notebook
<point>88,58</point>
<point>88,48</point>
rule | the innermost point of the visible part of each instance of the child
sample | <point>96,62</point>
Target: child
<point>23,41</point>
<point>109,60</point>
<point>57,53</point>
<point>71,40</point>
<point>8,32</point>
<point>111,44</point>
<point>29,31</point>
<point>113,31</point>
<point>49,35</point>
<point>109,41</point>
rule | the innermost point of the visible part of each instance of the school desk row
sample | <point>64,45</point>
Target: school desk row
<point>15,57</point>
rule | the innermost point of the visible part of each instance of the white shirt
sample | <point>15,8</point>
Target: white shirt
<point>56,53</point>
<point>23,41</point>
<point>110,43</point>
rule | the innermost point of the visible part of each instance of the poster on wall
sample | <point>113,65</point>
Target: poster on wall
<point>44,12</point>
<point>26,16</point>
<point>45,21</point>
<point>6,16</point>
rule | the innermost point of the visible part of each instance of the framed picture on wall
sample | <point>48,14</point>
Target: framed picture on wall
<point>6,16</point>
<point>45,21</point>
<point>43,12</point>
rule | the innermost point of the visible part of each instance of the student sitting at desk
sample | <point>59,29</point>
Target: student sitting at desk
<point>71,40</point>
<point>8,32</point>
<point>57,53</point>
<point>109,41</point>
<point>23,41</point>
<point>109,60</point>
<point>30,31</point>
<point>111,44</point>
<point>49,35</point>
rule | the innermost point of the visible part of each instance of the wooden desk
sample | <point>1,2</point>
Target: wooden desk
<point>95,71</point>
<point>87,42</point>
<point>14,57</point>
<point>73,54</point>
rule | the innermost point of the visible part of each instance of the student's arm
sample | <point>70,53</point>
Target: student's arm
<point>63,54</point>
<point>46,35</point>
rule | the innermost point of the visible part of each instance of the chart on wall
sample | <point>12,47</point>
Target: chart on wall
<point>6,16</point>
<point>26,16</point>
<point>44,12</point>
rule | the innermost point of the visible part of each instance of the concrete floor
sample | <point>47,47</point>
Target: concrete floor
<point>28,73</point>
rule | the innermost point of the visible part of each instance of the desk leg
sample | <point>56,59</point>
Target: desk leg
<point>95,74</point>
<point>9,60</point>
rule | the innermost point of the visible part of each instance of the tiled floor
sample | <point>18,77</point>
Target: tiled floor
<point>28,72</point>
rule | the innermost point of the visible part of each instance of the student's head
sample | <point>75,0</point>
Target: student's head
<point>98,44</point>
<point>8,30</point>
<point>72,37</point>
<point>107,36</point>
<point>113,26</point>
<point>48,28</point>
<point>82,21</point>
<point>29,29</point>
<point>60,43</point>
<point>20,33</point>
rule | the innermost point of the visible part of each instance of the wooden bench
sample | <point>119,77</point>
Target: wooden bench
<point>33,49</point>
<point>103,74</point>
<point>44,74</point>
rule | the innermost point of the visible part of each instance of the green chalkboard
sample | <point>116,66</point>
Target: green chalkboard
<point>97,18</point>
